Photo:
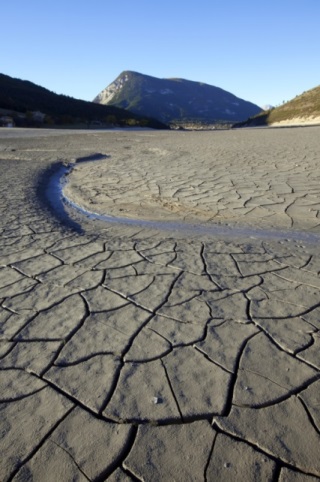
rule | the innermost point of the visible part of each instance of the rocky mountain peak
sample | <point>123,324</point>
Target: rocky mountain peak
<point>175,99</point>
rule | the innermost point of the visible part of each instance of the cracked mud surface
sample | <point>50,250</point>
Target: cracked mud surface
<point>132,353</point>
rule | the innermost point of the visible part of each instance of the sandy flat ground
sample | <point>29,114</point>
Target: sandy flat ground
<point>156,352</point>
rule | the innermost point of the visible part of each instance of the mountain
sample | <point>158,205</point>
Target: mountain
<point>267,107</point>
<point>21,96</point>
<point>304,109</point>
<point>175,100</point>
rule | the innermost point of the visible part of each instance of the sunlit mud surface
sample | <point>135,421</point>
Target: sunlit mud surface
<point>182,351</point>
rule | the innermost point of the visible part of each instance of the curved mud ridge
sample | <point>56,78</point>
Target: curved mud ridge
<point>58,200</point>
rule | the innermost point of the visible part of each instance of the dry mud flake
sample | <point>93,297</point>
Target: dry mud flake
<point>173,452</point>
<point>57,322</point>
<point>200,387</point>
<point>301,276</point>
<point>16,384</point>
<point>120,259</point>
<point>267,374</point>
<point>105,332</point>
<point>291,334</point>
<point>39,298</point>
<point>311,399</point>
<point>25,423</point>
<point>21,286</point>
<point>146,346</point>
<point>232,306</point>
<point>313,317</point>
<point>51,463</point>
<point>220,263</point>
<point>82,448</point>
<point>235,461</point>
<point>256,264</point>
<point>142,394</point>
<point>190,282</point>
<point>177,332</point>
<point>74,254</point>
<point>11,323</point>
<point>282,430</point>
<point>90,381</point>
<point>145,267</point>
<point>312,354</point>
<point>8,276</point>
<point>120,476</point>
<point>292,301</point>
<point>287,475</point>
<point>188,259</point>
<point>13,256</point>
<point>34,356</point>
<point>194,310</point>
<point>223,344</point>
<point>5,346</point>
<point>37,265</point>
<point>101,299</point>
<point>62,275</point>
<point>156,293</point>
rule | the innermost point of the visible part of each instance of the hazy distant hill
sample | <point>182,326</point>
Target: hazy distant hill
<point>25,97</point>
<point>303,109</point>
<point>171,100</point>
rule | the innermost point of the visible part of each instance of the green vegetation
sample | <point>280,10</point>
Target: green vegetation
<point>22,97</point>
<point>306,105</point>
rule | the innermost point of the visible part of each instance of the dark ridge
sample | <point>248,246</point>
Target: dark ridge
<point>306,105</point>
<point>21,98</point>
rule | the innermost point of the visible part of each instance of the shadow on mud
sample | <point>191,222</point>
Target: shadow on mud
<point>49,192</point>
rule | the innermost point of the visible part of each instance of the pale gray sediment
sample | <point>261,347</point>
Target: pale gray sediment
<point>58,199</point>
<point>187,215</point>
<point>154,351</point>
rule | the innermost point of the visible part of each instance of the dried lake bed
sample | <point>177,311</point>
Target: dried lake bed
<point>174,335</point>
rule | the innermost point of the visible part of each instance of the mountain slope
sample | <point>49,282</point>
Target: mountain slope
<point>172,100</point>
<point>23,96</point>
<point>303,109</point>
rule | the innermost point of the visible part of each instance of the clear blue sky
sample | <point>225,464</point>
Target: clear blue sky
<point>265,51</point>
